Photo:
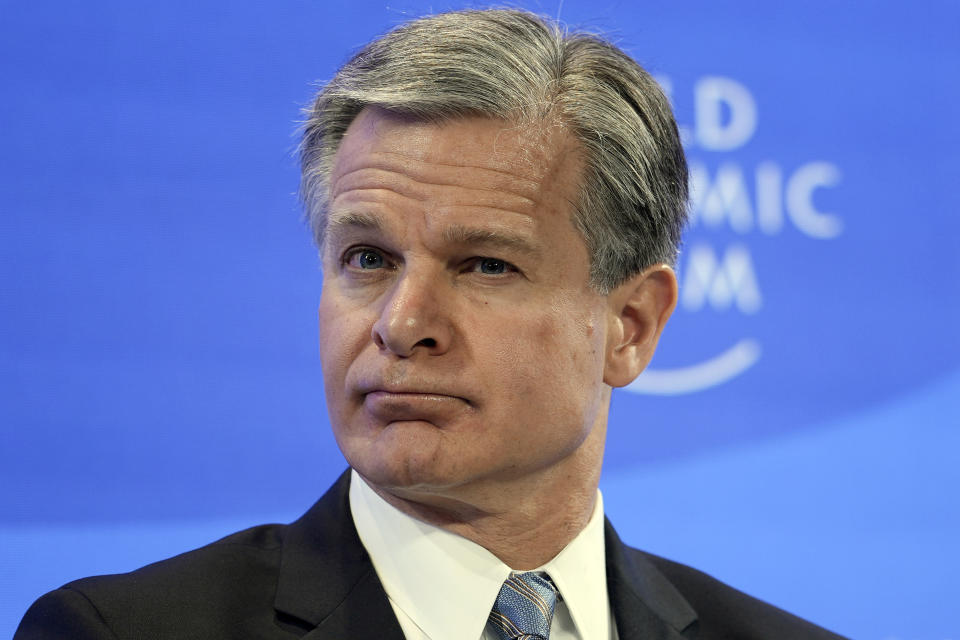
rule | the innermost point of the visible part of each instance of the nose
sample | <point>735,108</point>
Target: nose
<point>414,318</point>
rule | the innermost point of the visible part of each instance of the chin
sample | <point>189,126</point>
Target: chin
<point>416,476</point>
<point>395,469</point>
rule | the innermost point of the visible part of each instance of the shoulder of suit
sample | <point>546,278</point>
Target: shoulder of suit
<point>241,553</point>
<point>725,612</point>
<point>235,577</point>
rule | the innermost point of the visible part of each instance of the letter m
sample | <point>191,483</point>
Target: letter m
<point>720,283</point>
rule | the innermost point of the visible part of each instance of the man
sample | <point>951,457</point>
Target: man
<point>498,205</point>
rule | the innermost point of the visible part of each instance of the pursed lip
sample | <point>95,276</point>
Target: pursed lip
<point>400,392</point>
<point>399,404</point>
<point>382,395</point>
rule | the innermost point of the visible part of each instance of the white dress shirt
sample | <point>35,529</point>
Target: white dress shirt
<point>443,586</point>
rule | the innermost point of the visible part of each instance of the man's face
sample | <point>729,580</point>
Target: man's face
<point>460,339</point>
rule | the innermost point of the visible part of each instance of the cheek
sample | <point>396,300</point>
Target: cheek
<point>555,361</point>
<point>341,336</point>
<point>328,329</point>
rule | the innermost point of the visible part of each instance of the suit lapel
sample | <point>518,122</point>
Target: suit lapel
<point>645,604</point>
<point>328,588</point>
<point>327,584</point>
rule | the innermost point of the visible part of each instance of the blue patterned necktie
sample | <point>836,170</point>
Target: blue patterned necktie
<point>524,607</point>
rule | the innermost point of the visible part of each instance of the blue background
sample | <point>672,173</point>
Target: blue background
<point>160,385</point>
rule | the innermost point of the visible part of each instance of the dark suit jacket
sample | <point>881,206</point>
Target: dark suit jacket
<point>313,579</point>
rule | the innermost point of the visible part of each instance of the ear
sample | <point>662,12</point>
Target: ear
<point>639,309</point>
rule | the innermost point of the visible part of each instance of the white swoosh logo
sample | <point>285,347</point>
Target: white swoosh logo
<point>717,370</point>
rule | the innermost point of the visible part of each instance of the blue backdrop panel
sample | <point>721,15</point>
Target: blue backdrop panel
<point>796,434</point>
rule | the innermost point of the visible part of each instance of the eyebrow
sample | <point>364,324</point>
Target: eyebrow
<point>463,235</point>
<point>344,223</point>
<point>456,234</point>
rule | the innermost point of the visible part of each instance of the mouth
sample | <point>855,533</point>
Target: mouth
<point>384,389</point>
<point>412,405</point>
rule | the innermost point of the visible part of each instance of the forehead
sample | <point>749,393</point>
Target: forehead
<point>526,166</point>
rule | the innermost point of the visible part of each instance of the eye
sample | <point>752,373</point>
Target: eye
<point>365,258</point>
<point>492,266</point>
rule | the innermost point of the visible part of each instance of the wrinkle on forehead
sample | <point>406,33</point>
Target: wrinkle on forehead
<point>524,159</point>
<point>491,172</point>
<point>439,174</point>
<point>371,183</point>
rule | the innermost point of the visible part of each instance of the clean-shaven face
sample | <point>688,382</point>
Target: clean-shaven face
<point>460,339</point>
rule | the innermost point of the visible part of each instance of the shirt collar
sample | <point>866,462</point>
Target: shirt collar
<point>421,565</point>
<point>580,573</point>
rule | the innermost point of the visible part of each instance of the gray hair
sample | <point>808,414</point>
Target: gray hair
<point>515,65</point>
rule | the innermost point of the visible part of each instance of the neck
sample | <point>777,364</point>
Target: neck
<point>523,538</point>
<point>525,521</point>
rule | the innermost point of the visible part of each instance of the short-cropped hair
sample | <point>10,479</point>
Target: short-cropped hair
<point>515,65</point>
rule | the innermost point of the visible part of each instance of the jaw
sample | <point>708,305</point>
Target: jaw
<point>416,467</point>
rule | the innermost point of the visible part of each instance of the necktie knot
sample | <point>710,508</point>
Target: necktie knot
<point>524,607</point>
